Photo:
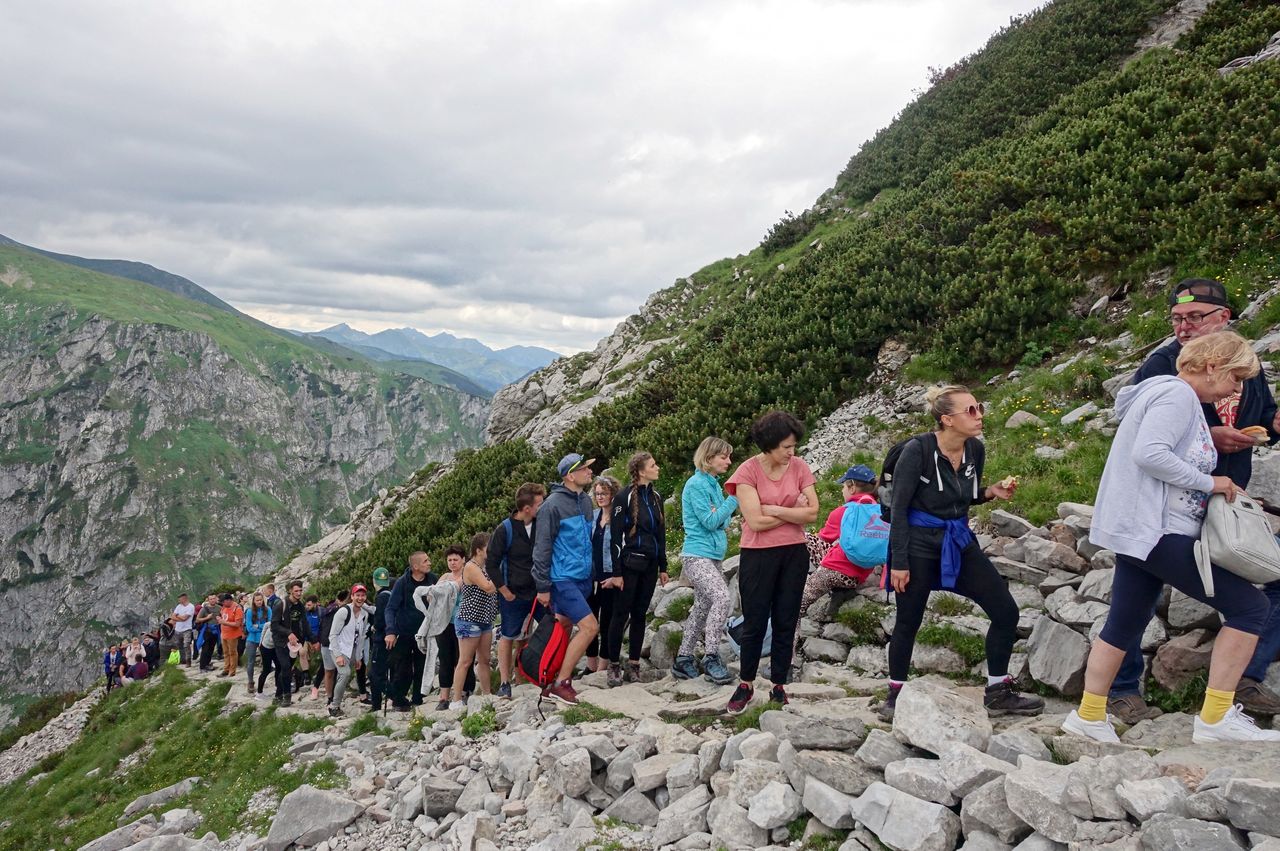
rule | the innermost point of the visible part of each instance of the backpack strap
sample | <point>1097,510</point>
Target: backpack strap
<point>511,534</point>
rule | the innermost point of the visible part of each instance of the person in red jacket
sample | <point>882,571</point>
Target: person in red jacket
<point>231,620</point>
<point>836,572</point>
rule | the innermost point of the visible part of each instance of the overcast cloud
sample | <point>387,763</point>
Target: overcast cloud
<point>512,171</point>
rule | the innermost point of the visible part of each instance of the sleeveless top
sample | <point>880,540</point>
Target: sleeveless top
<point>476,606</point>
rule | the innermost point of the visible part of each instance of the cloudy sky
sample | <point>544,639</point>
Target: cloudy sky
<point>519,172</point>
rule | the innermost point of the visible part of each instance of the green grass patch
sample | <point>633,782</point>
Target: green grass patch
<point>949,606</point>
<point>864,620</point>
<point>971,648</point>
<point>37,714</point>
<point>585,713</point>
<point>673,641</point>
<point>750,719</point>
<point>480,723</point>
<point>1185,699</point>
<point>701,721</point>
<point>417,723</point>
<point>368,723</point>
<point>236,754</point>
<point>679,610</point>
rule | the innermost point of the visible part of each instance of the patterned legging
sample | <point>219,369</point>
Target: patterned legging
<point>710,610</point>
<point>824,580</point>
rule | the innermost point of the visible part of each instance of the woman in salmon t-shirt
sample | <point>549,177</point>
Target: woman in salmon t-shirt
<point>776,495</point>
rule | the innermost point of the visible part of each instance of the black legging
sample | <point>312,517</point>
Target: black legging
<point>981,583</point>
<point>602,604</point>
<point>631,606</point>
<point>284,670</point>
<point>268,656</point>
<point>771,583</point>
<point>447,644</point>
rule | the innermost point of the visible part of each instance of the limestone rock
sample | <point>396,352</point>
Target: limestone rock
<point>774,805</point>
<point>652,772</point>
<point>920,778</point>
<point>1012,743</point>
<point>1097,585</point>
<point>308,816</point>
<point>571,773</point>
<point>619,774</point>
<point>1045,554</point>
<point>752,775</point>
<point>929,715</point>
<point>839,770</point>
<point>1008,524</point>
<point>1035,793</point>
<point>834,809</point>
<point>1091,789</point>
<point>633,807</point>
<point>1142,799</point>
<point>762,745</point>
<point>965,768</point>
<point>1164,833</point>
<point>1057,655</point>
<point>1181,658</point>
<point>1189,613</point>
<point>731,828</point>
<point>158,797</point>
<point>881,748</point>
<point>439,796</point>
<point>1023,418</point>
<point>1254,805</point>
<point>824,650</point>
<point>809,733</point>
<point>906,823</point>
<point>986,809</point>
<point>684,817</point>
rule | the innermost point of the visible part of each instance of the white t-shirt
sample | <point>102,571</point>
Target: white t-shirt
<point>190,611</point>
<point>1187,507</point>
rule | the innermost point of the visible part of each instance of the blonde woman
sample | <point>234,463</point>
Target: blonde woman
<point>937,477</point>
<point>1150,507</point>
<point>706,512</point>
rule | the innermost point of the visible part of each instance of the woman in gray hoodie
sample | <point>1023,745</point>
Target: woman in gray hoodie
<point>1150,507</point>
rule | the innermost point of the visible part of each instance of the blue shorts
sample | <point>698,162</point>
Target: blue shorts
<point>470,629</point>
<point>515,614</point>
<point>569,598</point>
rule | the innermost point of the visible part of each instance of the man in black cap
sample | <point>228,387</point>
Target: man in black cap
<point>1197,307</point>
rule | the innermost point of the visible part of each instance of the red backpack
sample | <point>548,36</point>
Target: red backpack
<point>543,654</point>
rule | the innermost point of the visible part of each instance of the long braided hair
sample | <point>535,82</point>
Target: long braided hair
<point>637,463</point>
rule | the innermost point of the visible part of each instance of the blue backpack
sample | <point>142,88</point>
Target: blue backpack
<point>506,524</point>
<point>864,534</point>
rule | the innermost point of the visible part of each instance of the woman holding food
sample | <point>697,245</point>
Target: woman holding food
<point>1150,507</point>
<point>937,477</point>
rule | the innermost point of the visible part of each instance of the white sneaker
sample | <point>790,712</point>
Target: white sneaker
<point>457,704</point>
<point>1099,731</point>
<point>1235,726</point>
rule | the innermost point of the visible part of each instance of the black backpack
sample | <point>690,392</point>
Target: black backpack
<point>326,621</point>
<point>886,473</point>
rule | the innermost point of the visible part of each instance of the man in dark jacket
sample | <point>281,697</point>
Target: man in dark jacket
<point>404,660</point>
<point>509,563</point>
<point>288,617</point>
<point>377,638</point>
<point>1199,306</point>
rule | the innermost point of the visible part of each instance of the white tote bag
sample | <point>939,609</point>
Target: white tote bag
<point>1236,536</point>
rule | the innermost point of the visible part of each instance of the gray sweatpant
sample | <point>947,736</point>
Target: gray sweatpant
<point>345,673</point>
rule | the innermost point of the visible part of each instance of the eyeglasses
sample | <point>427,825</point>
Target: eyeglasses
<point>1195,320</point>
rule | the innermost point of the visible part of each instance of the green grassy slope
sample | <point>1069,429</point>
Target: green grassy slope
<point>976,260</point>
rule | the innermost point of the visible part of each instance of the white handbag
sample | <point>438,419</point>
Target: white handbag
<point>1236,536</point>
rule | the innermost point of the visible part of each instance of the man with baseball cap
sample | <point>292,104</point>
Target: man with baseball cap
<point>1197,307</point>
<point>347,643</point>
<point>378,635</point>
<point>562,567</point>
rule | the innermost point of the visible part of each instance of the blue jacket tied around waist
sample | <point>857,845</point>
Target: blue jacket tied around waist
<point>956,537</point>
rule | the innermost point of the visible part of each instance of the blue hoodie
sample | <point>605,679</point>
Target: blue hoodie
<point>253,626</point>
<point>562,548</point>
<point>706,512</point>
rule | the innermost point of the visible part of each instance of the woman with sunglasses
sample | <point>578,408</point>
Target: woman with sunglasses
<point>937,477</point>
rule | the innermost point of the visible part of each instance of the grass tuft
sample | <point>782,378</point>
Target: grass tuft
<point>971,648</point>
<point>586,712</point>
<point>480,723</point>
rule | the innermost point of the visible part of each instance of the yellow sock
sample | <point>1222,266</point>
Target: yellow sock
<point>1093,707</point>
<point>1216,704</point>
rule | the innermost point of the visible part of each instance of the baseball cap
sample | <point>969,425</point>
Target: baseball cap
<point>358,587</point>
<point>572,461</point>
<point>381,577</point>
<point>858,473</point>
<point>1202,290</point>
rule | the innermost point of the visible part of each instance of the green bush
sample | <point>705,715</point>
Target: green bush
<point>480,723</point>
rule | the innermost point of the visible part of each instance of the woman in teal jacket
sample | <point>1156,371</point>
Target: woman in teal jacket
<point>256,616</point>
<point>707,512</point>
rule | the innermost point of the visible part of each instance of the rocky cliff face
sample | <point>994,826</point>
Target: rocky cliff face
<point>137,460</point>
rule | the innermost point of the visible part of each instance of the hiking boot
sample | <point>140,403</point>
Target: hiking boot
<point>1099,731</point>
<point>778,695</point>
<point>614,677</point>
<point>286,700</point>
<point>632,673</point>
<point>335,712</point>
<point>685,668</point>
<point>715,670</point>
<point>886,707</point>
<point>1131,708</point>
<point>1235,726</point>
<point>1003,698</point>
<point>401,707</point>
<point>504,691</point>
<point>741,697</point>
<point>563,692</point>
<point>1256,698</point>
<point>442,706</point>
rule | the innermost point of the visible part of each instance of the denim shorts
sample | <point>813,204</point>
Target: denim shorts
<point>470,629</point>
<point>570,598</point>
<point>515,614</point>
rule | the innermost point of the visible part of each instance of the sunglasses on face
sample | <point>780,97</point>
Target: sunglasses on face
<point>978,410</point>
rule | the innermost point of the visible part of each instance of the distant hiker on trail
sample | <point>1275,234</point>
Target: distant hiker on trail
<point>1198,307</point>
<point>1149,511</point>
<point>639,531</point>
<point>936,478</point>
<point>404,659</point>
<point>706,512</point>
<point>378,638</point>
<point>509,564</point>
<point>605,579</point>
<point>256,618</point>
<point>183,628</point>
<point>473,623</point>
<point>347,643</point>
<point>836,572</point>
<point>776,493</point>
<point>231,628</point>
<point>288,621</point>
<point>447,639</point>
<point>562,564</point>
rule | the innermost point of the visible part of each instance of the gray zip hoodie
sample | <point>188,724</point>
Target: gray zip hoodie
<point>1159,421</point>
